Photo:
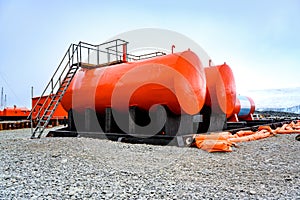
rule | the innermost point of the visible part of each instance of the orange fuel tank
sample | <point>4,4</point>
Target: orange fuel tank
<point>174,80</point>
<point>221,90</point>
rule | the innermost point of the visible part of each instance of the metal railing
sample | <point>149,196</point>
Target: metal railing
<point>146,56</point>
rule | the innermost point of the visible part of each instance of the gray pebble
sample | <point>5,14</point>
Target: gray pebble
<point>85,168</point>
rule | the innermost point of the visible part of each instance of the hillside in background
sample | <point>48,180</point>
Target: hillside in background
<point>293,109</point>
<point>281,100</point>
<point>278,114</point>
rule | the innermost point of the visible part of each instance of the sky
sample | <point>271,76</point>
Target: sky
<point>258,39</point>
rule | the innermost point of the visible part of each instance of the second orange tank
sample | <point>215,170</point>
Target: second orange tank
<point>221,90</point>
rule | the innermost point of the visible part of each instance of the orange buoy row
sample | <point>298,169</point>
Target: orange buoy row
<point>254,136</point>
<point>291,128</point>
<point>223,142</point>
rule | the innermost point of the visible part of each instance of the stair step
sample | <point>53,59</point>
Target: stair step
<point>55,98</point>
<point>58,95</point>
<point>61,88</point>
<point>63,83</point>
<point>60,91</point>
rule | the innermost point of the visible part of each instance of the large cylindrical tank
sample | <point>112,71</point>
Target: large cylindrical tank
<point>247,106</point>
<point>175,80</point>
<point>221,89</point>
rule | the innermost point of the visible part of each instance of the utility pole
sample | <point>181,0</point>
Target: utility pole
<point>31,121</point>
<point>1,98</point>
<point>5,101</point>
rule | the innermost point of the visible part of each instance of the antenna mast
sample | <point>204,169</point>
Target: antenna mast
<point>1,98</point>
<point>4,101</point>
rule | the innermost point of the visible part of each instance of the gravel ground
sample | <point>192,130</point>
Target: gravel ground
<point>85,168</point>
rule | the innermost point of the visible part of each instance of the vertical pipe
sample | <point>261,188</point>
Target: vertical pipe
<point>98,55</point>
<point>31,121</point>
<point>5,101</point>
<point>116,50</point>
<point>173,47</point>
<point>124,52</point>
<point>72,54</point>
<point>88,55</point>
<point>108,55</point>
<point>80,59</point>
<point>69,58</point>
<point>52,86</point>
<point>77,56</point>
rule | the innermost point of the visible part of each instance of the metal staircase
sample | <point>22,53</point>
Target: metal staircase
<point>56,89</point>
<point>112,52</point>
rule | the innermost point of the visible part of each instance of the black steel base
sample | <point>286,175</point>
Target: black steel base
<point>181,141</point>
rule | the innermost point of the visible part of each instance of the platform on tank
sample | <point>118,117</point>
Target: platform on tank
<point>92,66</point>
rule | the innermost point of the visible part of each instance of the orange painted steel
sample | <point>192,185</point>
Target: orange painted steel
<point>59,113</point>
<point>15,112</point>
<point>221,89</point>
<point>174,80</point>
